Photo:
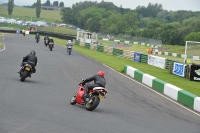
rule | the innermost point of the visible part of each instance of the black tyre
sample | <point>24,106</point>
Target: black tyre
<point>50,47</point>
<point>73,99</point>
<point>24,75</point>
<point>93,103</point>
<point>69,51</point>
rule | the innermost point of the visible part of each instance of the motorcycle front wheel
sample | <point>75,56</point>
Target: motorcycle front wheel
<point>73,99</point>
<point>92,103</point>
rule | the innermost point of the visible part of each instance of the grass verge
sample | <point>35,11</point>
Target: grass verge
<point>1,37</point>
<point>30,14</point>
<point>1,46</point>
<point>118,64</point>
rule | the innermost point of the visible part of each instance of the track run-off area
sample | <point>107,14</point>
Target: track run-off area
<point>41,104</point>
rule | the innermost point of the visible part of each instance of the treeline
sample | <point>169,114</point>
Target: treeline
<point>48,3</point>
<point>152,21</point>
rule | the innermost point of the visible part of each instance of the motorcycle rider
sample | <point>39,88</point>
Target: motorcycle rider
<point>51,40</point>
<point>46,38</point>
<point>31,59</point>
<point>69,44</point>
<point>99,81</point>
<point>37,36</point>
<point>23,31</point>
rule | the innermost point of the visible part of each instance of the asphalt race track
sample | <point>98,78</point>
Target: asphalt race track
<point>41,103</point>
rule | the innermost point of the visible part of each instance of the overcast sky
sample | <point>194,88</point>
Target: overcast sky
<point>173,5</point>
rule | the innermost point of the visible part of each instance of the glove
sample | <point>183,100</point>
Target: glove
<point>81,84</point>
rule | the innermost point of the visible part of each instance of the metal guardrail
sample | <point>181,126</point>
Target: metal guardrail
<point>52,34</point>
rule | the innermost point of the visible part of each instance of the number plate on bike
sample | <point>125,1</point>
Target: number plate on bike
<point>101,96</point>
<point>28,69</point>
<point>69,46</point>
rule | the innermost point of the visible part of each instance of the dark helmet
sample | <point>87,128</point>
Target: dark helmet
<point>100,73</point>
<point>33,52</point>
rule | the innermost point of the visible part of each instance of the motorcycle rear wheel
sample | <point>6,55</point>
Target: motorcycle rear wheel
<point>91,105</point>
<point>24,75</point>
<point>73,99</point>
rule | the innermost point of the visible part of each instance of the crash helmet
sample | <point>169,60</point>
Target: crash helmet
<point>100,73</point>
<point>33,52</point>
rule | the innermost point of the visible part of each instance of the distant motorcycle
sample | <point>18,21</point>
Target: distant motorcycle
<point>46,43</point>
<point>51,45</point>
<point>24,34</point>
<point>37,40</point>
<point>95,95</point>
<point>69,49</point>
<point>26,71</point>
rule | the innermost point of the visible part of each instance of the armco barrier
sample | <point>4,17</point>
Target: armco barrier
<point>117,52</point>
<point>188,99</point>
<point>87,45</point>
<point>123,53</point>
<point>167,64</point>
<point>128,54</point>
<point>100,48</point>
<point>51,34</point>
<point>177,55</point>
<point>108,50</point>
<point>144,58</point>
<point>93,47</point>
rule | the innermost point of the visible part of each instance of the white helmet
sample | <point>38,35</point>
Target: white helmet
<point>69,41</point>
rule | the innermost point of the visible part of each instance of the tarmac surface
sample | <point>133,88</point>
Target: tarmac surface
<point>41,103</point>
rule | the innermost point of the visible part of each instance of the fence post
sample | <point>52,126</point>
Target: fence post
<point>188,72</point>
<point>171,66</point>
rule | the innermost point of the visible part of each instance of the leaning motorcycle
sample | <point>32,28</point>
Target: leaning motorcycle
<point>26,71</point>
<point>95,95</point>
<point>51,46</point>
<point>69,49</point>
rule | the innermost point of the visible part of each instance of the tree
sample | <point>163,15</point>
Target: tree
<point>55,3</point>
<point>38,8</point>
<point>34,5</point>
<point>10,6</point>
<point>48,3</point>
<point>193,36</point>
<point>61,4</point>
<point>67,15</point>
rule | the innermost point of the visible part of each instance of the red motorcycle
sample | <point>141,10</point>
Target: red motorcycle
<point>94,97</point>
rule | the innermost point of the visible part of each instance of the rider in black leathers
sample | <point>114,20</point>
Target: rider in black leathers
<point>30,59</point>
<point>51,40</point>
<point>99,81</point>
<point>37,36</point>
<point>46,38</point>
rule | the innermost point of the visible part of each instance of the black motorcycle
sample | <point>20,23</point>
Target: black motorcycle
<point>26,71</point>
<point>24,34</point>
<point>37,40</point>
<point>51,44</point>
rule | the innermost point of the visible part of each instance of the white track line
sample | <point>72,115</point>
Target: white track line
<point>145,86</point>
<point>4,47</point>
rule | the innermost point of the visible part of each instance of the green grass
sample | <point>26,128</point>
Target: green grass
<point>27,13</point>
<point>1,37</point>
<point>62,30</point>
<point>1,46</point>
<point>118,64</point>
<point>106,43</point>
